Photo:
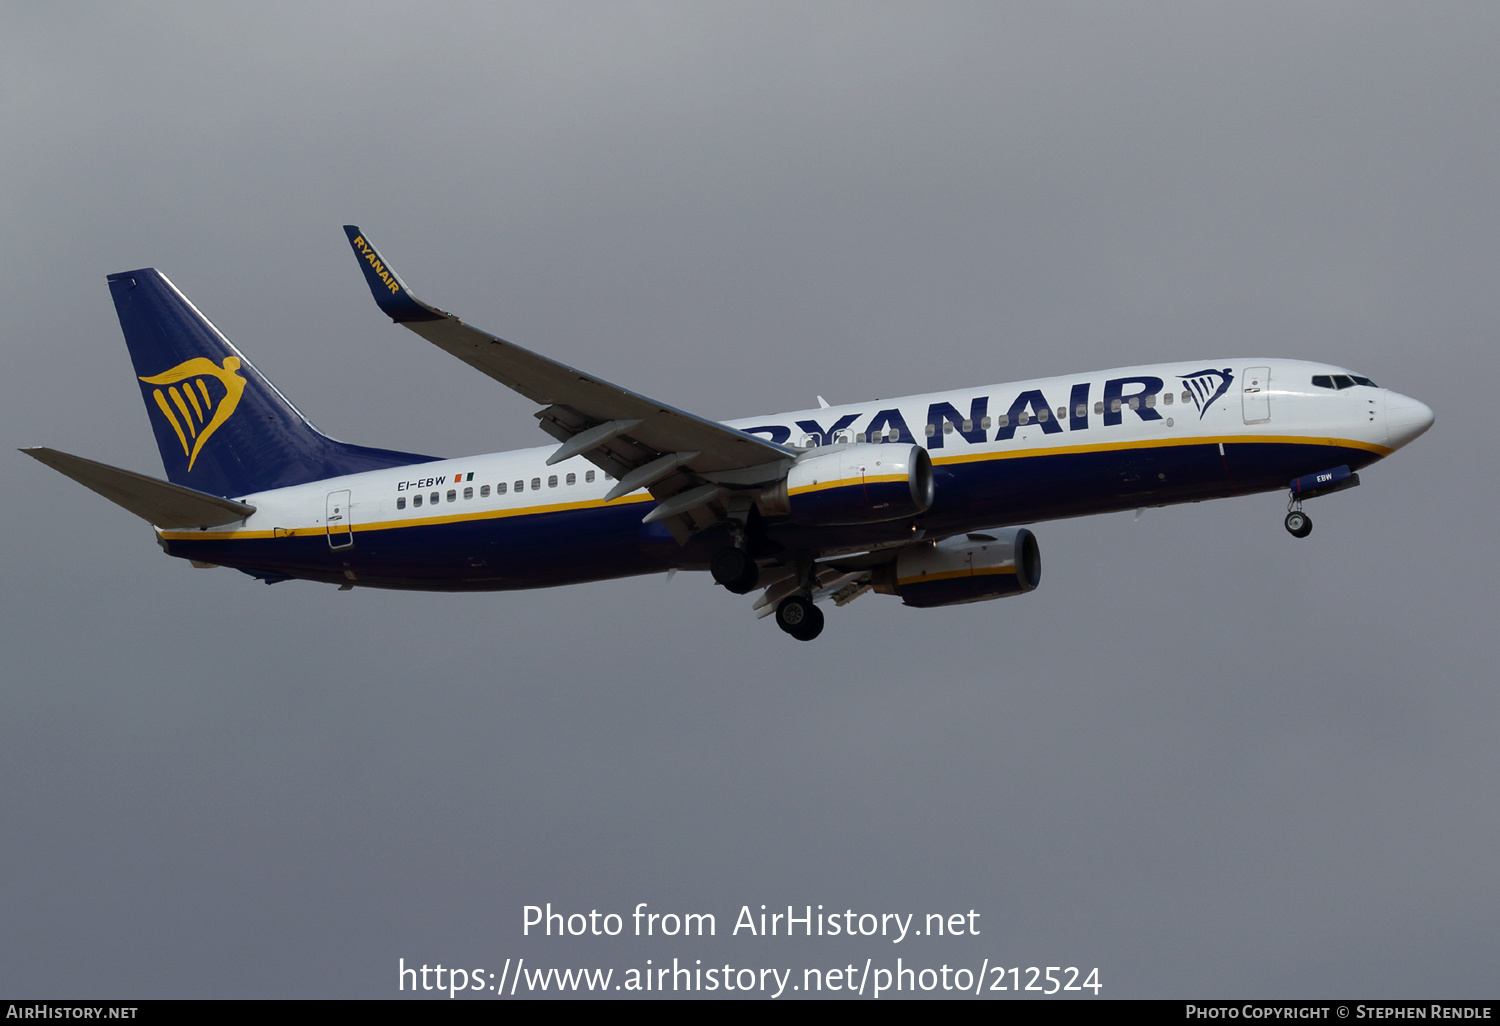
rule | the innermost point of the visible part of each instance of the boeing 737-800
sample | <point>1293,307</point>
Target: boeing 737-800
<point>921,497</point>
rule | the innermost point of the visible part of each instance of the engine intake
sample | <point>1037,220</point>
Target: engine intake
<point>975,568</point>
<point>861,483</point>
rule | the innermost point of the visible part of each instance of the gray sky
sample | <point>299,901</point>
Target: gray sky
<point>1208,759</point>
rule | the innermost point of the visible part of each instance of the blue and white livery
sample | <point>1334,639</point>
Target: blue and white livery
<point>919,497</point>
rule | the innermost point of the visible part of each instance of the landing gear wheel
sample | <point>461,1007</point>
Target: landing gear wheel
<point>735,570</point>
<point>799,617</point>
<point>1298,524</point>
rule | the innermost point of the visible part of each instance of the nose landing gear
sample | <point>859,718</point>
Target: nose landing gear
<point>1310,486</point>
<point>1298,524</point>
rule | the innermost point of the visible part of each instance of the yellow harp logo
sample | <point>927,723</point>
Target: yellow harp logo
<point>197,415</point>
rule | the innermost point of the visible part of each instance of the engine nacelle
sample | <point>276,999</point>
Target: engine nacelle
<point>861,483</point>
<point>975,568</point>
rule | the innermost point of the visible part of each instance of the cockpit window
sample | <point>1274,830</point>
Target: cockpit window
<point>1340,381</point>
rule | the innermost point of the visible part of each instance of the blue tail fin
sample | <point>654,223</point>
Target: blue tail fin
<point>221,427</point>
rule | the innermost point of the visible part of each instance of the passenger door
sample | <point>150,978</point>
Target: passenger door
<point>1255,389</point>
<point>340,531</point>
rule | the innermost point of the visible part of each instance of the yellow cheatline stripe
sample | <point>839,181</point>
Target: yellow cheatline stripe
<point>950,574</point>
<point>387,525</point>
<point>1162,443</point>
<point>627,500</point>
<point>166,410</point>
<point>847,482</point>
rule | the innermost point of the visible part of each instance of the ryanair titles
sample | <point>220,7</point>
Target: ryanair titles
<point>368,252</point>
<point>1139,395</point>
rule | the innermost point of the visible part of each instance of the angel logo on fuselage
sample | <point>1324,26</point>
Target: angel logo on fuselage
<point>1206,386</point>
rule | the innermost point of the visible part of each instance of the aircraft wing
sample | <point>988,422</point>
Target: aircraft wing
<point>690,464</point>
<point>156,502</point>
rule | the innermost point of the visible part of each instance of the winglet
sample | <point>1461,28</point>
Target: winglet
<point>390,292</point>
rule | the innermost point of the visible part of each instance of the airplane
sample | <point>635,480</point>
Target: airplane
<point>923,497</point>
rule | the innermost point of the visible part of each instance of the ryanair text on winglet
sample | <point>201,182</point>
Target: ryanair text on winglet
<point>368,252</point>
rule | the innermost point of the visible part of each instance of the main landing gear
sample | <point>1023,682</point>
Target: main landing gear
<point>797,615</point>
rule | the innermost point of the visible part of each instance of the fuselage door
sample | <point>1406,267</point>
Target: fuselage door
<point>340,531</point>
<point>1256,391</point>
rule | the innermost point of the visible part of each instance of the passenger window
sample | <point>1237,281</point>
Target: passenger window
<point>1043,415</point>
<point>1135,402</point>
<point>1080,411</point>
<point>985,423</point>
<point>1166,399</point>
<point>484,491</point>
<point>552,481</point>
<point>895,434</point>
<point>588,477</point>
<point>572,479</point>
<point>520,486</point>
<point>433,498</point>
<point>860,437</point>
<point>401,502</point>
<point>1003,420</point>
<point>500,488</point>
<point>1099,407</point>
<point>468,493</point>
<point>968,426</point>
<point>1150,402</point>
<point>947,427</point>
<point>1187,396</point>
<point>536,483</point>
<point>1023,417</point>
<point>931,430</point>
<point>416,500</point>
<point>452,495</point>
<point>1114,406</point>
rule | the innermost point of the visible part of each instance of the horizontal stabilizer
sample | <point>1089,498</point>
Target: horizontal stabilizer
<point>156,502</point>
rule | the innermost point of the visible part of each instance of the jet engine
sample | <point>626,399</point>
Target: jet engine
<point>859,483</point>
<point>974,568</point>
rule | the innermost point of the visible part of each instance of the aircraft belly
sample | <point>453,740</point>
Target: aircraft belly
<point>492,554</point>
<point>1049,486</point>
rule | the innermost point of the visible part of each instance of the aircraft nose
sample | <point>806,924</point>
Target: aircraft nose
<point>1405,418</point>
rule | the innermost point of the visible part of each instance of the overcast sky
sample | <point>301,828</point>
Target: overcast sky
<point>1204,757</point>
